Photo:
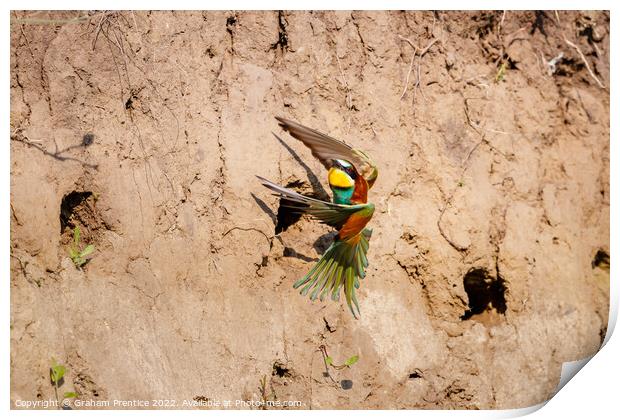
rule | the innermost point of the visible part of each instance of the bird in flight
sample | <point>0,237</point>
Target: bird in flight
<point>350,175</point>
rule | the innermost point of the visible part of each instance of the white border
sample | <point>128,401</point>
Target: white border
<point>310,4</point>
<point>593,393</point>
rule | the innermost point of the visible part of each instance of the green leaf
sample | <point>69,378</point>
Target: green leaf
<point>76,236</point>
<point>329,361</point>
<point>57,372</point>
<point>87,251</point>
<point>352,360</point>
<point>501,72</point>
<point>70,395</point>
<point>73,253</point>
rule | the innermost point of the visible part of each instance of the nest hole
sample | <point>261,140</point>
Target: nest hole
<point>484,293</point>
<point>286,216</point>
<point>280,370</point>
<point>601,260</point>
<point>69,205</point>
<point>79,208</point>
<point>416,374</point>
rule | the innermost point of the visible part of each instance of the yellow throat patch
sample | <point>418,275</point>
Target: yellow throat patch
<point>338,178</point>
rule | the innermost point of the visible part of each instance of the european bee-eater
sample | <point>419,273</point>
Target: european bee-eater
<point>350,175</point>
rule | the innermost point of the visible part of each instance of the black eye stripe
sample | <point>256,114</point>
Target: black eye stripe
<point>349,169</point>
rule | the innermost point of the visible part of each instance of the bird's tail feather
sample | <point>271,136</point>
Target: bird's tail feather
<point>343,264</point>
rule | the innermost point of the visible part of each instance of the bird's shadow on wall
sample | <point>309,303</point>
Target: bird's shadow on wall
<point>284,218</point>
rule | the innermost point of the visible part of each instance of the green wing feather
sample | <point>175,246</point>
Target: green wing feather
<point>341,266</point>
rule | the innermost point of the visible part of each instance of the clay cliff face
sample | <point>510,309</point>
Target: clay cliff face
<point>489,261</point>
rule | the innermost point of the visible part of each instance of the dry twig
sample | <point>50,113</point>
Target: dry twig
<point>419,53</point>
<point>409,73</point>
<point>601,85</point>
<point>430,44</point>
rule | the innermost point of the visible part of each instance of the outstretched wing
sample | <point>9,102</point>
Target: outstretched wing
<point>341,267</point>
<point>335,215</point>
<point>326,149</point>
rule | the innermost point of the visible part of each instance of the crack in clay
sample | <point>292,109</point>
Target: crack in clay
<point>365,48</point>
<point>282,42</point>
<point>231,23</point>
<point>21,87</point>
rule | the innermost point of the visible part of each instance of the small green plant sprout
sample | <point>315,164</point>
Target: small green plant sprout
<point>79,256</point>
<point>264,394</point>
<point>329,361</point>
<point>351,360</point>
<point>57,374</point>
<point>347,364</point>
<point>501,72</point>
